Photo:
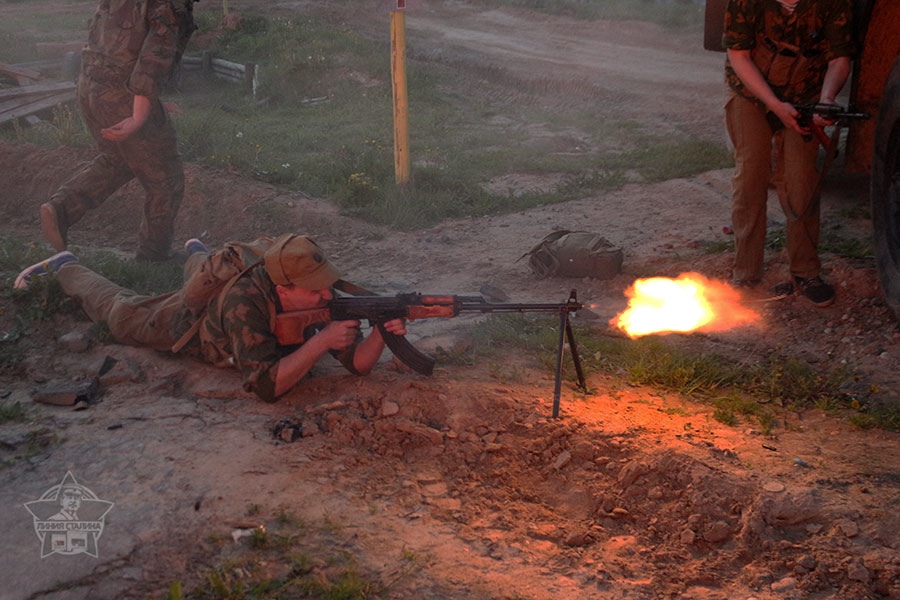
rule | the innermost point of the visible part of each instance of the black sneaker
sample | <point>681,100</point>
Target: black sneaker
<point>815,290</point>
<point>744,284</point>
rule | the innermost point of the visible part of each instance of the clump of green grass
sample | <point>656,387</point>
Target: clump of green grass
<point>663,161</point>
<point>877,416</point>
<point>291,561</point>
<point>734,406</point>
<point>847,247</point>
<point>11,412</point>
<point>63,128</point>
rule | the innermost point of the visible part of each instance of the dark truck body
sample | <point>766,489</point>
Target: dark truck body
<point>873,145</point>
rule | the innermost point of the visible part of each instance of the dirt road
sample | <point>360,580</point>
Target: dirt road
<point>640,70</point>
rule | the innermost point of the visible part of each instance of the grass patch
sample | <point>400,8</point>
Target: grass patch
<point>23,310</point>
<point>738,392</point>
<point>291,560</point>
<point>11,412</point>
<point>322,122</point>
<point>26,23</point>
<point>847,247</point>
<point>143,278</point>
<point>63,128</point>
<point>878,417</point>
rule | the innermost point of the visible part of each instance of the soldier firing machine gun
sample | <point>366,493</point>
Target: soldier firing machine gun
<point>291,327</point>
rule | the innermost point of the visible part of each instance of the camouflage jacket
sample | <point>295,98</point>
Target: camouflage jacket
<point>238,328</point>
<point>136,43</point>
<point>792,51</point>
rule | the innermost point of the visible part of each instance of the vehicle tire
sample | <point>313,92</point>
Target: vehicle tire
<point>885,192</point>
<point>714,25</point>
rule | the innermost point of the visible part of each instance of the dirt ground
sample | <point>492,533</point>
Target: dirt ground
<point>460,485</point>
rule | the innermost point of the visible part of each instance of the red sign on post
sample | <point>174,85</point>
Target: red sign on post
<point>400,5</point>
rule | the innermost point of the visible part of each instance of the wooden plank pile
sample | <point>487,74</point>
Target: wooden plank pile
<point>246,74</point>
<point>31,95</point>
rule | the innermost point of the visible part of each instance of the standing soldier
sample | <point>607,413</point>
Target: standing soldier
<point>781,53</point>
<point>132,49</point>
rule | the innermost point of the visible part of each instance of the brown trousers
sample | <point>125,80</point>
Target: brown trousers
<point>134,319</point>
<point>794,178</point>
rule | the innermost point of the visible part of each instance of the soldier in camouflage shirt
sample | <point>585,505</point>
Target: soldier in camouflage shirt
<point>231,298</point>
<point>132,49</point>
<point>781,52</point>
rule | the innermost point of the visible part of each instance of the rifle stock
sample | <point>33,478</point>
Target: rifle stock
<point>290,327</point>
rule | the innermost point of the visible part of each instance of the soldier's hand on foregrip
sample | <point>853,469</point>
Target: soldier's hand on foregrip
<point>396,326</point>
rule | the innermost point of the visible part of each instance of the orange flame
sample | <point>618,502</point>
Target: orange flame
<point>689,303</point>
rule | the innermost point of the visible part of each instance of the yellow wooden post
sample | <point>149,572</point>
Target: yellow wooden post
<point>398,76</point>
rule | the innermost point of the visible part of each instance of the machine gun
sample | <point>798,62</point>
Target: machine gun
<point>293,327</point>
<point>832,112</point>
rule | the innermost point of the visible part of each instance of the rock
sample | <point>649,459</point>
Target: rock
<point>631,471</point>
<point>784,585</point>
<point>66,393</point>
<point>717,532</point>
<point>848,527</point>
<point>791,508</point>
<point>856,571</point>
<point>75,341</point>
<point>578,540</point>
<point>562,460</point>
<point>807,562</point>
<point>774,487</point>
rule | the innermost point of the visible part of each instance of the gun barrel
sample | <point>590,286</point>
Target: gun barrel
<point>539,307</point>
<point>831,111</point>
<point>478,304</point>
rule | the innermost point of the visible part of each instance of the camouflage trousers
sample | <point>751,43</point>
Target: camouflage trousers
<point>150,156</point>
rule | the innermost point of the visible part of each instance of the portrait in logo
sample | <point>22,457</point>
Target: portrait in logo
<point>69,518</point>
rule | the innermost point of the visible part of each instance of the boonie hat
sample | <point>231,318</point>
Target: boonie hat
<point>297,260</point>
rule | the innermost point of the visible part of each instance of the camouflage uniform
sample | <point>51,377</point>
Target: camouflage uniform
<point>235,322</point>
<point>792,52</point>
<point>132,49</point>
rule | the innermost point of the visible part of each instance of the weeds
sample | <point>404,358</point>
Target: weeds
<point>880,417</point>
<point>735,390</point>
<point>289,560</point>
<point>322,122</point>
<point>11,412</point>
<point>847,247</point>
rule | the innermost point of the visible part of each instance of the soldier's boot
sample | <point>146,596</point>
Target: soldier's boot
<point>54,224</point>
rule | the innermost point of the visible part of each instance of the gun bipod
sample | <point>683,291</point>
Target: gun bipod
<point>566,334</point>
